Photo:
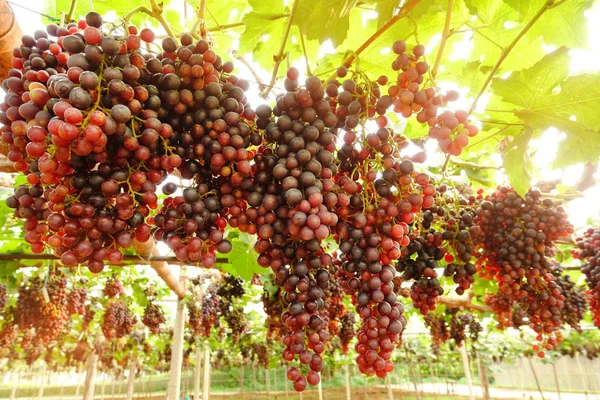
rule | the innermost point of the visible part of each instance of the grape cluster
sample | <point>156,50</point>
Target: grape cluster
<point>153,317</point>
<point>463,324</point>
<point>230,293</point>
<point>113,287</point>
<point>517,234</point>
<point>76,300</point>
<point>438,329</point>
<point>589,248</point>
<point>3,297</point>
<point>347,330</point>
<point>118,320</point>
<point>42,308</point>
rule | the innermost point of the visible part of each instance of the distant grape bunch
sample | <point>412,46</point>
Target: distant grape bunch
<point>589,249</point>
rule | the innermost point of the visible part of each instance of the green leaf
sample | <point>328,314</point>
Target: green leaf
<point>242,258</point>
<point>562,25</point>
<point>385,11</point>
<point>173,17</point>
<point>324,19</point>
<point>517,163</point>
<point>264,29</point>
<point>549,99</point>
<point>529,86</point>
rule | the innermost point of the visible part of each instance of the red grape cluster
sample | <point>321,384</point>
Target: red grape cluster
<point>589,249</point>
<point>78,122</point>
<point>153,317</point>
<point>438,329</point>
<point>76,301</point>
<point>3,297</point>
<point>118,320</point>
<point>517,234</point>
<point>42,308</point>
<point>113,287</point>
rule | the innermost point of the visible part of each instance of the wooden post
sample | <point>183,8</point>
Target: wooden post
<point>90,376</point>
<point>268,382</point>
<point>414,378</point>
<point>131,378</point>
<point>320,388</point>
<point>114,378</point>
<point>347,371</point>
<point>388,383</point>
<point>197,371</point>
<point>79,372</point>
<point>446,377</point>
<point>485,383</point>
<point>42,383</point>
<point>10,35</point>
<point>537,382</point>
<point>103,385</point>
<point>242,378</point>
<point>253,377</point>
<point>206,381</point>
<point>16,379</point>
<point>433,381</point>
<point>287,393</point>
<point>465,360</point>
<point>173,386</point>
<point>556,379</point>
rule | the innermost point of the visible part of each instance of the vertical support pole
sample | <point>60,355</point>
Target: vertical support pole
<point>388,383</point>
<point>446,378</point>
<point>537,382</point>
<point>79,372</point>
<point>114,378</point>
<point>242,378</point>
<point>16,379</point>
<point>197,371</point>
<point>433,380</point>
<point>177,353</point>
<point>413,378</point>
<point>206,381</point>
<point>320,388</point>
<point>556,379</point>
<point>485,383</point>
<point>42,383</point>
<point>131,378</point>
<point>287,392</point>
<point>90,376</point>
<point>347,371</point>
<point>267,382</point>
<point>465,360</point>
<point>253,377</point>
<point>103,386</point>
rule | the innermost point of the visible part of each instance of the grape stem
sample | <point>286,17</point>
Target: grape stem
<point>505,52</point>
<point>261,84</point>
<point>403,12</point>
<point>202,18</point>
<point>158,15</point>
<point>71,11</point>
<point>467,164</point>
<point>302,42</point>
<point>445,36</point>
<point>279,58</point>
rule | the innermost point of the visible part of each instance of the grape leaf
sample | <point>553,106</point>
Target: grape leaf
<point>549,99</point>
<point>241,261</point>
<point>222,12</point>
<point>562,25</point>
<point>324,19</point>
<point>264,28</point>
<point>517,163</point>
<point>385,11</point>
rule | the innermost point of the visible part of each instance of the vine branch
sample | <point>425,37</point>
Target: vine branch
<point>202,18</point>
<point>308,72</point>
<point>549,4</point>
<point>279,58</point>
<point>261,84</point>
<point>403,12</point>
<point>463,302</point>
<point>468,164</point>
<point>445,36</point>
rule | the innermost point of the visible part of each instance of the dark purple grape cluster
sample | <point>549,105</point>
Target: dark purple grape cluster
<point>589,249</point>
<point>517,235</point>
